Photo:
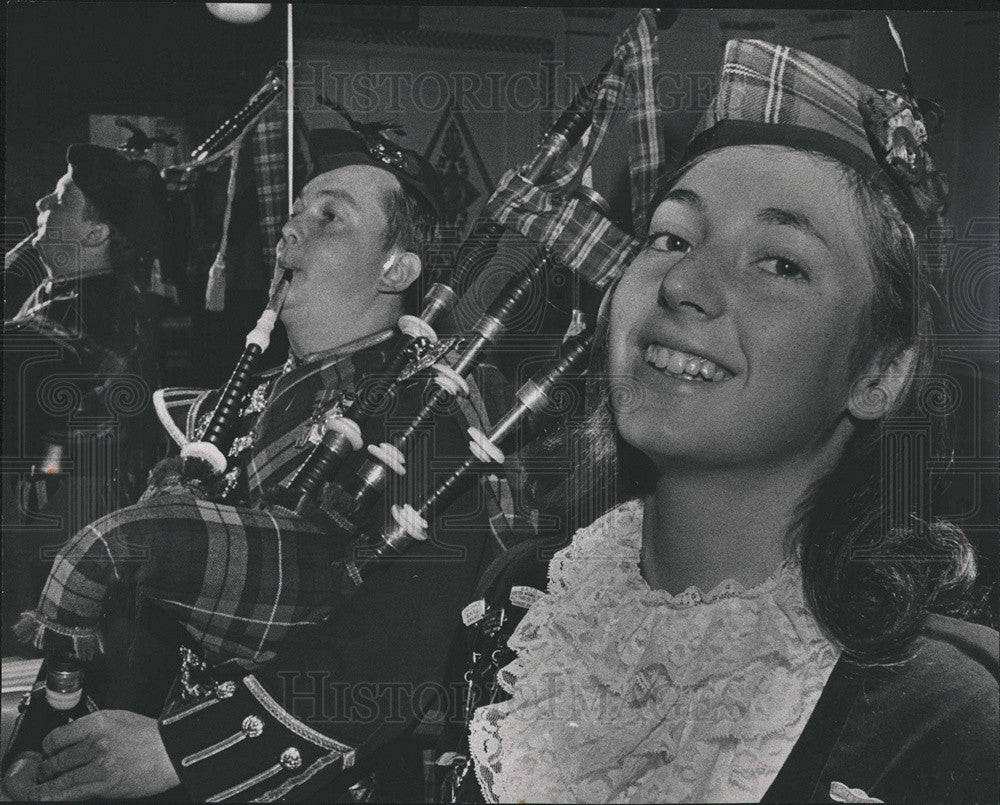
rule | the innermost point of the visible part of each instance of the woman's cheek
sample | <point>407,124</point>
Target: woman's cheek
<point>810,368</point>
<point>616,362</point>
<point>624,313</point>
<point>616,330</point>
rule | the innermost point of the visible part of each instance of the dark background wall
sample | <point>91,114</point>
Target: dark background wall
<point>68,60</point>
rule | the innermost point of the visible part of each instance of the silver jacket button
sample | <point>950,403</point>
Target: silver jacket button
<point>252,726</point>
<point>291,758</point>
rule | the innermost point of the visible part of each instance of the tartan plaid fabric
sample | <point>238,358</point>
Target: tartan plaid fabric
<point>773,85</point>
<point>280,433</point>
<point>134,545</point>
<point>237,578</point>
<point>271,174</point>
<point>646,155</point>
<point>771,94</point>
<point>579,235</point>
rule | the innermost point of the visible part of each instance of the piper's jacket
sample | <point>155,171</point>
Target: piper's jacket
<point>312,706</point>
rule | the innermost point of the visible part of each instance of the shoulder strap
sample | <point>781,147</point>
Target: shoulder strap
<point>798,777</point>
<point>521,564</point>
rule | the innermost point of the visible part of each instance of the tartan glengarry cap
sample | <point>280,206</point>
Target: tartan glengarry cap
<point>336,148</point>
<point>775,95</point>
<point>128,193</point>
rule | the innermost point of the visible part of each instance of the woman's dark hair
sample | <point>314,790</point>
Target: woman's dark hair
<point>873,567</point>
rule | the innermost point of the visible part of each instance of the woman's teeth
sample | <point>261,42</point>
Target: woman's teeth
<point>681,364</point>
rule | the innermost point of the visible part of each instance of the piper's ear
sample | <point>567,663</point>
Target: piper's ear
<point>875,393</point>
<point>399,273</point>
<point>97,234</point>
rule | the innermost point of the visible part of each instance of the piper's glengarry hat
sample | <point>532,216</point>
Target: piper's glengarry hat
<point>337,148</point>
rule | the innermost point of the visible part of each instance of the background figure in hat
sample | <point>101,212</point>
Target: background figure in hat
<point>353,243</point>
<point>80,363</point>
<point>760,618</point>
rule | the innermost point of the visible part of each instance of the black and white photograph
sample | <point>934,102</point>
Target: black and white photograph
<point>485,403</point>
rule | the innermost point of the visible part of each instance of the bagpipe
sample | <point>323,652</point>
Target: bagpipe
<point>221,141</point>
<point>350,498</point>
<point>332,503</point>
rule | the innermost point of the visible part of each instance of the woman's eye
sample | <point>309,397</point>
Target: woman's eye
<point>667,242</point>
<point>329,215</point>
<point>785,269</point>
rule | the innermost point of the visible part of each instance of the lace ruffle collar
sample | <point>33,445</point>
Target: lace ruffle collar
<point>623,693</point>
<point>621,529</point>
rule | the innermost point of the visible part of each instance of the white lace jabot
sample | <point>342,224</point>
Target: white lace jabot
<point>626,694</point>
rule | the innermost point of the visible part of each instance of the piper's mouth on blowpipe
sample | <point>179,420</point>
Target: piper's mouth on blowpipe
<point>261,333</point>
<point>277,300</point>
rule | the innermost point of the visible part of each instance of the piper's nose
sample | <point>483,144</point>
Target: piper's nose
<point>289,234</point>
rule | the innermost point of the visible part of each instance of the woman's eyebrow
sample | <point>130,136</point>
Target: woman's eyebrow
<point>779,217</point>
<point>682,195</point>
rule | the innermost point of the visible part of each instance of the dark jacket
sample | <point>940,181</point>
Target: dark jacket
<point>78,376</point>
<point>925,730</point>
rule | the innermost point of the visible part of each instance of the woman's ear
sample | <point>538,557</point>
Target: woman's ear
<point>875,393</point>
<point>398,273</point>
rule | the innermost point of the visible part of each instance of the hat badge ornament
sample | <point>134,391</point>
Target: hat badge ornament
<point>138,142</point>
<point>895,123</point>
<point>898,135</point>
<point>386,154</point>
<point>373,134</point>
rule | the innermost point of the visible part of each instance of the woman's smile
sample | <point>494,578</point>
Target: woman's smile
<point>676,357</point>
<point>665,370</point>
<point>683,365</point>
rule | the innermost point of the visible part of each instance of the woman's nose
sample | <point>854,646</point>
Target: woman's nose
<point>691,286</point>
<point>44,202</point>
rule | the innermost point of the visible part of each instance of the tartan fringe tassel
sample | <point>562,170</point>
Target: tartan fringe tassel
<point>34,629</point>
<point>215,291</point>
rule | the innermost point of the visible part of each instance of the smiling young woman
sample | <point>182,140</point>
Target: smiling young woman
<point>750,623</point>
